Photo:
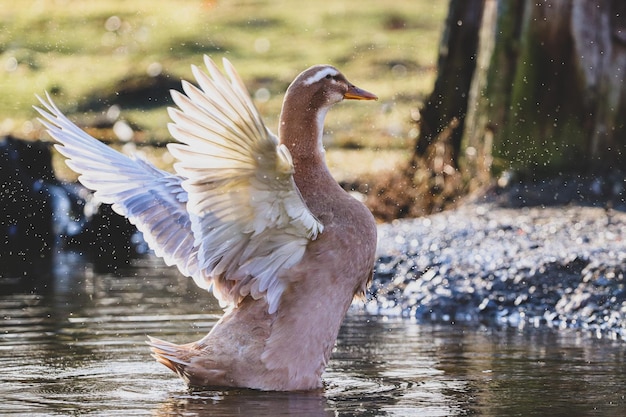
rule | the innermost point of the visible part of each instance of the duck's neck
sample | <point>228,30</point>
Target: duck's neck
<point>301,130</point>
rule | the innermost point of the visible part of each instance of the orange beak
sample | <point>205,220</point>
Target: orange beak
<point>355,93</point>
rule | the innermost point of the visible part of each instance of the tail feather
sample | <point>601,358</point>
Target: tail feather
<point>190,363</point>
<point>169,354</point>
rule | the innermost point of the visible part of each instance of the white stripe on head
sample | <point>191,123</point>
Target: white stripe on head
<point>320,74</point>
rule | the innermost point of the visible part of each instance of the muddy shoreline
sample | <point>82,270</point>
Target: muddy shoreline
<point>486,262</point>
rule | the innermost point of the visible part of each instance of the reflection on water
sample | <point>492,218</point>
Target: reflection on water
<point>76,346</point>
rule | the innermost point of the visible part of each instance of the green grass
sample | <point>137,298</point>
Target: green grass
<point>77,48</point>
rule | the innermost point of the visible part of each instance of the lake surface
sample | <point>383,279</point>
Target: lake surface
<point>76,346</point>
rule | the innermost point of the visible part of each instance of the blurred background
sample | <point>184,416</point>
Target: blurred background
<point>110,65</point>
<point>519,101</point>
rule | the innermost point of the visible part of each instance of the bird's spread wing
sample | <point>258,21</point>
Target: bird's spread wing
<point>152,199</point>
<point>247,216</point>
<point>232,218</point>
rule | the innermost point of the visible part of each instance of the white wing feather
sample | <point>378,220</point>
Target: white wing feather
<point>233,218</point>
<point>248,218</point>
<point>152,199</point>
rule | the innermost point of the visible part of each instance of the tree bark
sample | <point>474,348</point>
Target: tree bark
<point>531,87</point>
<point>548,94</point>
<point>456,63</point>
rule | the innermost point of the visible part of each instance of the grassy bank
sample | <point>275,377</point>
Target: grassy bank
<point>83,51</point>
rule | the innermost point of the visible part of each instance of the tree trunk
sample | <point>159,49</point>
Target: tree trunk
<point>532,87</point>
<point>548,93</point>
<point>455,69</point>
<point>431,180</point>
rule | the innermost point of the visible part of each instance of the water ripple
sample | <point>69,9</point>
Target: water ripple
<point>80,350</point>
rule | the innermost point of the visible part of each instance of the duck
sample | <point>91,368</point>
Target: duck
<point>256,219</point>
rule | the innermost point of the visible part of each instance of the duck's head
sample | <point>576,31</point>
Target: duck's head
<point>306,102</point>
<point>323,85</point>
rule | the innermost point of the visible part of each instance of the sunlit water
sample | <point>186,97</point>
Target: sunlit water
<point>78,347</point>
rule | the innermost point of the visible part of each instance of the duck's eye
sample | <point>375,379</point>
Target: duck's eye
<point>328,76</point>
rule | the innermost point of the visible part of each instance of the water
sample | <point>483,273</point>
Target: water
<point>76,346</point>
